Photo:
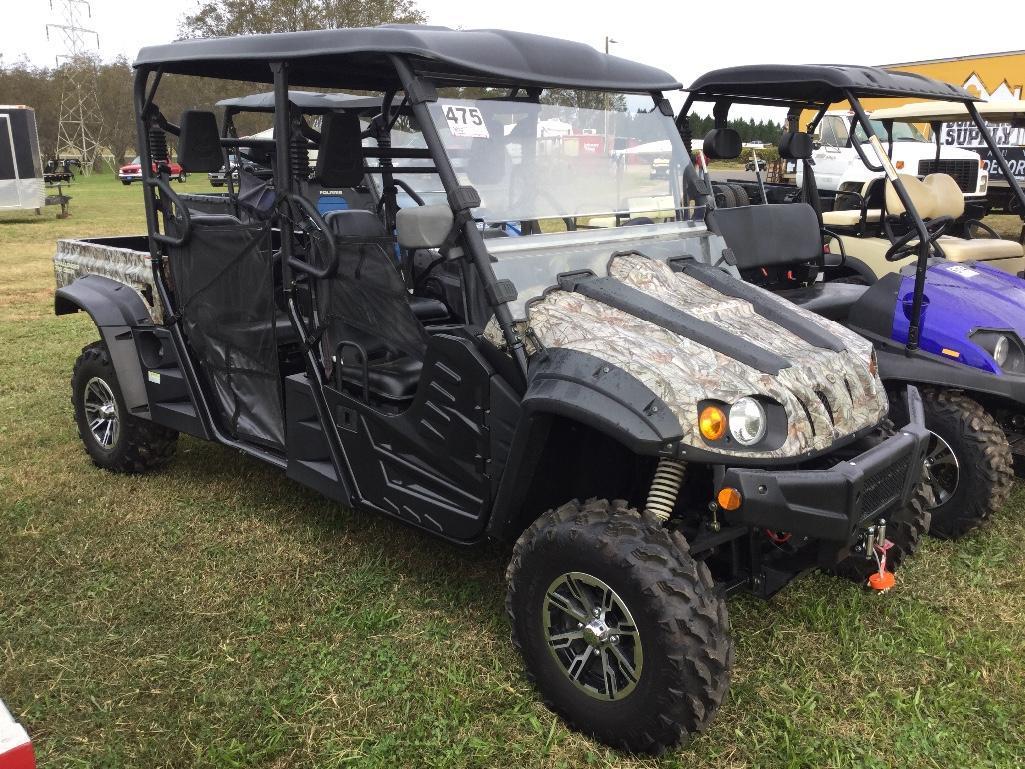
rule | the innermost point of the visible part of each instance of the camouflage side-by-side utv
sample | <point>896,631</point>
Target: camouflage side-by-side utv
<point>650,433</point>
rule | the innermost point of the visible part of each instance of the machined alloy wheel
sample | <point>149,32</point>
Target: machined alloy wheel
<point>940,472</point>
<point>592,635</point>
<point>623,632</point>
<point>969,467</point>
<point>102,413</point>
<point>114,438</point>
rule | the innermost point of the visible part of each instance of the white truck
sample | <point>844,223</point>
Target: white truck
<point>839,168</point>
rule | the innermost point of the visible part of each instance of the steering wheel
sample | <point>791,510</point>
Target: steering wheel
<point>904,248</point>
<point>973,225</point>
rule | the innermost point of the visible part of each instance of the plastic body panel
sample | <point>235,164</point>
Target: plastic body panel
<point>833,504</point>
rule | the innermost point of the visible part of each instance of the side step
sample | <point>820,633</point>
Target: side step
<point>306,447</point>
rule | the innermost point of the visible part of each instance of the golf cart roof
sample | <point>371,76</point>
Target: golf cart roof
<point>952,111</point>
<point>359,59</point>
<point>797,84</point>
<point>310,102</point>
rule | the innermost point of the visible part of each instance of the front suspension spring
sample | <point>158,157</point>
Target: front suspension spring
<point>665,487</point>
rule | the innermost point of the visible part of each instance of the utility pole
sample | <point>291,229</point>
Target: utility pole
<point>80,124</point>
<point>605,99</point>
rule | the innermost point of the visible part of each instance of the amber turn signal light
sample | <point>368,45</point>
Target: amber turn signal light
<point>712,423</point>
<point>729,498</point>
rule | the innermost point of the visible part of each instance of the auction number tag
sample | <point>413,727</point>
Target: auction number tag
<point>465,121</point>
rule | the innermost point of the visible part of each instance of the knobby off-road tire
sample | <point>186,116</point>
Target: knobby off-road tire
<point>905,527</point>
<point>979,462</point>
<point>114,439</point>
<point>679,621</point>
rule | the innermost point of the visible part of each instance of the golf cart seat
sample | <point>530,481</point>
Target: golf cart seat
<point>866,209</point>
<point>782,235</point>
<point>939,195</point>
<point>850,217</point>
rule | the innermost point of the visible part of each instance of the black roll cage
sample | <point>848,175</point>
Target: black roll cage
<point>860,118</point>
<point>418,92</point>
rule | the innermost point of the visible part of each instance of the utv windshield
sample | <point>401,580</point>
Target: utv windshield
<point>532,161</point>
<point>902,132</point>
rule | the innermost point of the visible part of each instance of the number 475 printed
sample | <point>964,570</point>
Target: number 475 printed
<point>465,121</point>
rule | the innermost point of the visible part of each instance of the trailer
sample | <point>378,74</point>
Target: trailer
<point>21,173</point>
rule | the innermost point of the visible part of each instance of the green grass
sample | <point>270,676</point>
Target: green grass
<point>216,615</point>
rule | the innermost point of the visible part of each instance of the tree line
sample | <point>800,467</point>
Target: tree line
<point>22,82</point>
<point>767,131</point>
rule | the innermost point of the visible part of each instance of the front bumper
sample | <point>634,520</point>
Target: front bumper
<point>130,177</point>
<point>835,504</point>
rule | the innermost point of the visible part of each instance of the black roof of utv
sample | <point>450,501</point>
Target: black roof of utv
<point>358,59</point>
<point>819,83</point>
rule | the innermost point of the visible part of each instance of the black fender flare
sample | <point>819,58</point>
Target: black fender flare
<point>115,308</point>
<point>108,302</point>
<point>584,388</point>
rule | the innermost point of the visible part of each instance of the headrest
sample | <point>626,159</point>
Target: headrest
<point>948,199</point>
<point>722,144</point>
<point>795,145</point>
<point>340,155</point>
<point>937,195</point>
<point>199,144</point>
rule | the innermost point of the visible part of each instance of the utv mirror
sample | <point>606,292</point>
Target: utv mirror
<point>816,143</point>
<point>423,226</point>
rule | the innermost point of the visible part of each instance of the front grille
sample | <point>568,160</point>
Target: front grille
<point>965,172</point>
<point>884,486</point>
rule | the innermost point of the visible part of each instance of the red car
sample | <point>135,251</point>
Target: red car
<point>133,171</point>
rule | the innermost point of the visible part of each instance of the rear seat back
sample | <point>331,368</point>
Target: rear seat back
<point>936,195</point>
<point>769,235</point>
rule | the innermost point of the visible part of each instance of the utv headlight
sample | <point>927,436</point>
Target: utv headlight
<point>1000,350</point>
<point>1004,347</point>
<point>747,421</point>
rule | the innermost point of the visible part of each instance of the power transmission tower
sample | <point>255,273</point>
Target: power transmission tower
<point>80,123</point>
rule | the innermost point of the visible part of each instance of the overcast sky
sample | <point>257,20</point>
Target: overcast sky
<point>684,40</point>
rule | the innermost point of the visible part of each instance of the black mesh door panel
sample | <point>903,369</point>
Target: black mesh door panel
<point>225,285</point>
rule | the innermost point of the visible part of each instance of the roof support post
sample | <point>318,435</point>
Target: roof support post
<point>473,240</point>
<point>915,321</point>
<point>283,186</point>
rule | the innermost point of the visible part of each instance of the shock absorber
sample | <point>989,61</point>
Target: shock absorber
<point>665,487</point>
<point>158,146</point>
<point>298,155</point>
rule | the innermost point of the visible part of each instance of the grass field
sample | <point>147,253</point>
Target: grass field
<point>217,615</point>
